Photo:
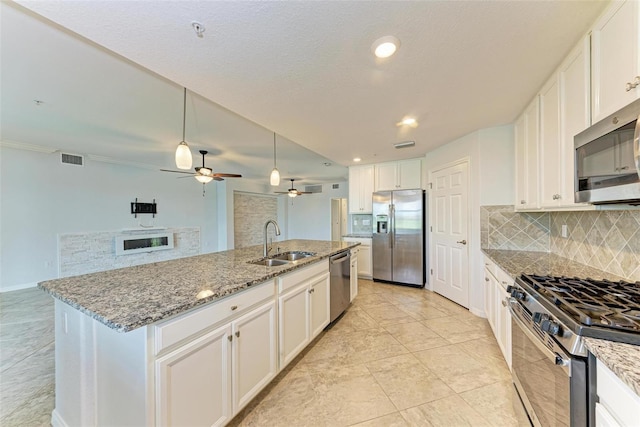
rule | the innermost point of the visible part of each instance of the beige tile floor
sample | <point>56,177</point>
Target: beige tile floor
<point>398,357</point>
<point>26,358</point>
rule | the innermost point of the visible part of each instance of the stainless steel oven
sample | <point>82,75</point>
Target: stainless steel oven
<point>551,384</point>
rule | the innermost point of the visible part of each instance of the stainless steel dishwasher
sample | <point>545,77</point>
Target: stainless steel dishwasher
<point>340,271</point>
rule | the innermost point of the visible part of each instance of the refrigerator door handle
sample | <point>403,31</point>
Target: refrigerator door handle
<point>392,225</point>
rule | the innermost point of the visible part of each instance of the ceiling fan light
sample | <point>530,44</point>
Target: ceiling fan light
<point>204,178</point>
<point>205,171</point>
<point>183,156</point>
<point>275,177</point>
<point>292,193</point>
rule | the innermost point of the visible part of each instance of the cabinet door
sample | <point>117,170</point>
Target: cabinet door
<point>386,176</point>
<point>487,295</point>
<point>532,123</point>
<point>366,184</point>
<point>355,190</point>
<point>365,266</point>
<point>410,174</point>
<point>521,162</point>
<point>550,144</point>
<point>319,296</point>
<point>504,324</point>
<point>575,114</point>
<point>354,276</point>
<point>614,46</point>
<point>293,323</point>
<point>254,356</point>
<point>193,384</point>
<point>604,418</point>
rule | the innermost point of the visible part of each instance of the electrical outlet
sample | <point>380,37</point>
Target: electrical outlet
<point>564,230</point>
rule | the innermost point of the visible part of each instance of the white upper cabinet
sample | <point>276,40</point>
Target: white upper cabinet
<point>360,189</point>
<point>527,142</point>
<point>400,175</point>
<point>564,112</point>
<point>550,144</point>
<point>614,62</point>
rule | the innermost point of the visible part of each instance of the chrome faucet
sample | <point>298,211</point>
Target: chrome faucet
<point>266,225</point>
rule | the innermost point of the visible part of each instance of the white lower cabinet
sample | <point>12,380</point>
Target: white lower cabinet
<point>496,307</point>
<point>365,256</point>
<point>303,305</point>
<point>618,405</point>
<point>193,384</point>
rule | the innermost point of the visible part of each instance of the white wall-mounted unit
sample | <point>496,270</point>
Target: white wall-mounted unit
<point>133,244</point>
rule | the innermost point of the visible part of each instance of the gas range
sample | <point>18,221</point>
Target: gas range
<point>576,307</point>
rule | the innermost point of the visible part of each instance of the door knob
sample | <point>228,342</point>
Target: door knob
<point>464,242</point>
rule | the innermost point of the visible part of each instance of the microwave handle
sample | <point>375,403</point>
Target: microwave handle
<point>636,145</point>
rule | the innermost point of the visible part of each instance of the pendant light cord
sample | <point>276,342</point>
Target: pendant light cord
<point>274,150</point>
<point>184,112</point>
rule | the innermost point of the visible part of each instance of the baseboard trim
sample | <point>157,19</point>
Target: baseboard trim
<point>479,313</point>
<point>19,287</point>
<point>56,420</point>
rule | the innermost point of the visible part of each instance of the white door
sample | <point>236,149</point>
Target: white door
<point>194,382</point>
<point>449,238</point>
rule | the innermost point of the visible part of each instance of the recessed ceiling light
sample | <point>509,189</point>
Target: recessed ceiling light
<point>385,46</point>
<point>357,159</point>
<point>408,121</point>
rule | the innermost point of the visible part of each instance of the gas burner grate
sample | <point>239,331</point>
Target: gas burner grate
<point>601,303</point>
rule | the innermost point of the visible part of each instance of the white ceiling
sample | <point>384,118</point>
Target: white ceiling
<point>301,69</point>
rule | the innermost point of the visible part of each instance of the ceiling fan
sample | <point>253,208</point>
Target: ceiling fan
<point>292,191</point>
<point>204,174</point>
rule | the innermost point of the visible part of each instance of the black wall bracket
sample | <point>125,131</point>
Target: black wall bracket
<point>144,208</point>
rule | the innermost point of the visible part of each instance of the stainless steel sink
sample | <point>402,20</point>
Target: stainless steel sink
<point>270,262</point>
<point>292,255</point>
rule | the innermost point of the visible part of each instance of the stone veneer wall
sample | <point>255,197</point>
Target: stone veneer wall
<point>250,213</point>
<point>82,253</point>
<point>502,228</point>
<point>608,240</point>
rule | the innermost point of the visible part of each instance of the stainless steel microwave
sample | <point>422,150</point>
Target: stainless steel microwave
<point>607,159</point>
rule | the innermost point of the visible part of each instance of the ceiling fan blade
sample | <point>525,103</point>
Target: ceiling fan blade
<point>169,170</point>
<point>228,175</point>
<point>217,178</point>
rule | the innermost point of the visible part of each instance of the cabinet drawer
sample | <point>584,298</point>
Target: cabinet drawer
<point>175,330</point>
<point>503,279</point>
<point>292,279</point>
<point>490,266</point>
<point>618,398</point>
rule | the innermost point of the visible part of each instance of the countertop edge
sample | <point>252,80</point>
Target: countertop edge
<point>616,356</point>
<point>174,310</point>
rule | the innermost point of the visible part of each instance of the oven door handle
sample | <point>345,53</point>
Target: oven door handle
<point>557,357</point>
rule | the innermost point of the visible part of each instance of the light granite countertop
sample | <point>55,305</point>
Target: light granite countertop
<point>623,359</point>
<point>359,235</point>
<point>132,297</point>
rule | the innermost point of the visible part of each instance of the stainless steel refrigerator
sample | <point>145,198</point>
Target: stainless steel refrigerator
<point>398,237</point>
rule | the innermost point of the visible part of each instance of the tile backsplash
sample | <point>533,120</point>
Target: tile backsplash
<point>502,228</point>
<point>607,240</point>
<point>361,224</point>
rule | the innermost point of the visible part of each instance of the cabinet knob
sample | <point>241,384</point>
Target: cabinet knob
<point>234,307</point>
<point>238,334</point>
<point>633,84</point>
<point>486,279</point>
<point>230,337</point>
<point>556,197</point>
<point>463,242</point>
<point>523,202</point>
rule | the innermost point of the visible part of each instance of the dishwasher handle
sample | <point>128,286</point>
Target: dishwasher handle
<point>338,258</point>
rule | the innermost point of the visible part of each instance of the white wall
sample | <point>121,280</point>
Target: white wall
<point>309,216</point>
<point>491,181</point>
<point>40,198</point>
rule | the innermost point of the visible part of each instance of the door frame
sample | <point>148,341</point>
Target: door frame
<point>470,239</point>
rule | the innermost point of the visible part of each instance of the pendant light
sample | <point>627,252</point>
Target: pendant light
<point>183,153</point>
<point>275,174</point>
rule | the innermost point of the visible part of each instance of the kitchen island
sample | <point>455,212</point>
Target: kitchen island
<point>188,341</point>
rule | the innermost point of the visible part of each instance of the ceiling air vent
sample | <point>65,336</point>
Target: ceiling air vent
<point>71,159</point>
<point>313,188</point>
<point>336,186</point>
